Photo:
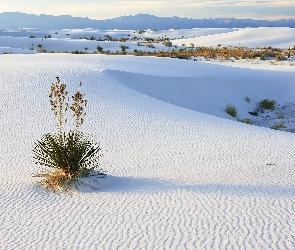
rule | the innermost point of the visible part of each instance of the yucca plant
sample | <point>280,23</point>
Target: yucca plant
<point>77,154</point>
<point>69,155</point>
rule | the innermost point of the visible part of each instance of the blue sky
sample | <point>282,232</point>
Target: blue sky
<point>98,9</point>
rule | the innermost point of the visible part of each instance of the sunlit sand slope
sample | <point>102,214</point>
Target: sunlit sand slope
<point>177,178</point>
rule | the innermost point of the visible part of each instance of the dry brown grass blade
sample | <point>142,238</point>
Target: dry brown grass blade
<point>57,180</point>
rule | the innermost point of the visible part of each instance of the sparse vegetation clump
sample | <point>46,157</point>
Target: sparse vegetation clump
<point>79,52</point>
<point>247,99</point>
<point>150,45</point>
<point>123,48</point>
<point>267,104</point>
<point>281,116</point>
<point>277,126</point>
<point>167,43</point>
<point>66,156</point>
<point>231,110</point>
<point>99,49</point>
<point>247,121</point>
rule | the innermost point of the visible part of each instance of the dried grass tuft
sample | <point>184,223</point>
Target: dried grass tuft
<point>56,180</point>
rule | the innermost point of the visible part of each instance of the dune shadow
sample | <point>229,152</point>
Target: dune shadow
<point>122,184</point>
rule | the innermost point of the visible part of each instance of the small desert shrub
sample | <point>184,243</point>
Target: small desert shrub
<point>281,116</point>
<point>231,110</point>
<point>247,99</point>
<point>68,155</point>
<point>167,43</point>
<point>41,50</point>
<point>247,121</point>
<point>123,48</point>
<point>81,52</point>
<point>267,104</point>
<point>150,45</point>
<point>277,126</point>
<point>99,48</point>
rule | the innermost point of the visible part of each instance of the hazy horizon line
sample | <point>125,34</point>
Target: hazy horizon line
<point>125,15</point>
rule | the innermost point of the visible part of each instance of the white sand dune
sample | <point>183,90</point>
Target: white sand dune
<point>18,41</point>
<point>249,37</point>
<point>179,177</point>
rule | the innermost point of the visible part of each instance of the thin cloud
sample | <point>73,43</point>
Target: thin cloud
<point>242,3</point>
<point>97,9</point>
<point>103,10</point>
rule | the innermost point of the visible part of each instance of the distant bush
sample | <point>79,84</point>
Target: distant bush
<point>281,116</point>
<point>277,126</point>
<point>267,104</point>
<point>247,99</point>
<point>150,45</point>
<point>231,110</point>
<point>99,49</point>
<point>167,43</point>
<point>247,121</point>
<point>108,38</point>
<point>41,50</point>
<point>123,48</point>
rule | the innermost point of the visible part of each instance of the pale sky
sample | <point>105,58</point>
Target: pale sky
<point>98,9</point>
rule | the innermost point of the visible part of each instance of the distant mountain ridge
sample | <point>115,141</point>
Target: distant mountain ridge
<point>139,21</point>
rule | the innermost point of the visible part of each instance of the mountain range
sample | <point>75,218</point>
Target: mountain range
<point>139,21</point>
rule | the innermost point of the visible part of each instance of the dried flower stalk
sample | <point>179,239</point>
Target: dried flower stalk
<point>78,108</point>
<point>59,107</point>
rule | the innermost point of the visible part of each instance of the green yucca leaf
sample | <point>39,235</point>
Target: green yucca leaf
<point>75,152</point>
